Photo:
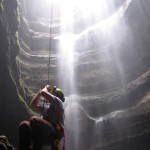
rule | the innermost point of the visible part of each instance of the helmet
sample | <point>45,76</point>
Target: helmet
<point>59,93</point>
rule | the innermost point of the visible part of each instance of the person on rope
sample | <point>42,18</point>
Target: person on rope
<point>48,128</point>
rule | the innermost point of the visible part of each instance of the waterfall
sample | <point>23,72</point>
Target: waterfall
<point>79,134</point>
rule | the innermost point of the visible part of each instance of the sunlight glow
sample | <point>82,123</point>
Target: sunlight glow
<point>108,22</point>
<point>96,9</point>
<point>67,44</point>
<point>68,38</point>
<point>89,8</point>
<point>48,1</point>
<point>84,7</point>
<point>67,62</point>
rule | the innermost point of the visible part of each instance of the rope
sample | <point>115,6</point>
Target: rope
<point>49,61</point>
<point>50,43</point>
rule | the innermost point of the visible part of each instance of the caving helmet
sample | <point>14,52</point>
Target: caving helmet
<point>59,93</point>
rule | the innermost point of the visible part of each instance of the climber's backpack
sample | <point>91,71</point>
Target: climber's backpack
<point>4,143</point>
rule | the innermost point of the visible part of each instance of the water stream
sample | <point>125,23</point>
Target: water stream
<point>81,128</point>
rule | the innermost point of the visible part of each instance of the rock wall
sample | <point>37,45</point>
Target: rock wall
<point>12,110</point>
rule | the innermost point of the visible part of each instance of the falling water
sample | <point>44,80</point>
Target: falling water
<point>66,74</point>
<point>66,54</point>
<point>76,114</point>
<point>67,64</point>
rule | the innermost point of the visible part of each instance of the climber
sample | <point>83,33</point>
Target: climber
<point>47,129</point>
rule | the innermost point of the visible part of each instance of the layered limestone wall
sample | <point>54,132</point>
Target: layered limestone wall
<point>104,60</point>
<point>12,106</point>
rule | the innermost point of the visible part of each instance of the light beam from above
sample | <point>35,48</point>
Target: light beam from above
<point>105,24</point>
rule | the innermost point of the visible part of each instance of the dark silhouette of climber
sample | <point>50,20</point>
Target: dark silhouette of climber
<point>48,127</point>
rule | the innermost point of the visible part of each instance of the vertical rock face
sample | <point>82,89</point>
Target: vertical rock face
<point>12,110</point>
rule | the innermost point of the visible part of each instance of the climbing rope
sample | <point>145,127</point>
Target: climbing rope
<point>50,43</point>
<point>49,61</point>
